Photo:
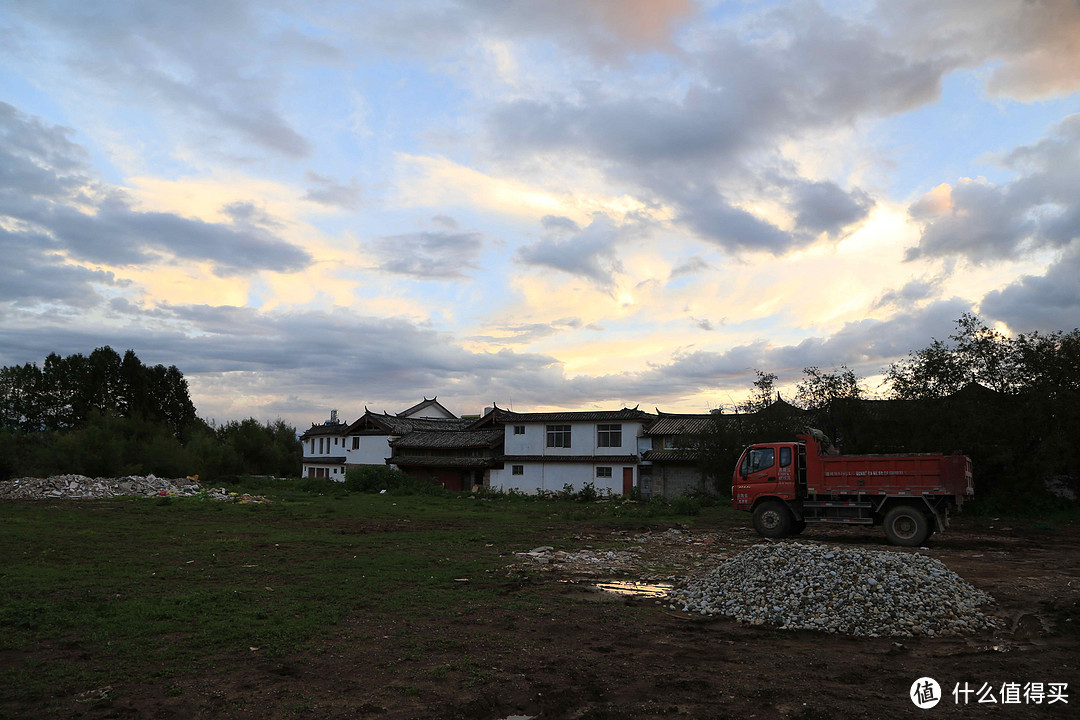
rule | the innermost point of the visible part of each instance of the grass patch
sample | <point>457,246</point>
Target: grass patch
<point>133,588</point>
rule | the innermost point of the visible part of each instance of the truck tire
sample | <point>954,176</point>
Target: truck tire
<point>798,527</point>
<point>906,526</point>
<point>772,519</point>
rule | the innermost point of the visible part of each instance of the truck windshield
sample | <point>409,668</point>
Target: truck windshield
<point>758,459</point>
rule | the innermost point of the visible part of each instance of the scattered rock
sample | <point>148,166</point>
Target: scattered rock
<point>80,487</point>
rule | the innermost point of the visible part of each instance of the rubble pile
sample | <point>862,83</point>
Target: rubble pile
<point>842,590</point>
<point>80,487</point>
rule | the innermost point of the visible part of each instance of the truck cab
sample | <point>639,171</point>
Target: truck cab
<point>769,469</point>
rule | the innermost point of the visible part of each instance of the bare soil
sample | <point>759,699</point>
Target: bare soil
<point>593,654</point>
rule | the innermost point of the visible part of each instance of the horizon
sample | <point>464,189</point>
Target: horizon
<point>549,206</point>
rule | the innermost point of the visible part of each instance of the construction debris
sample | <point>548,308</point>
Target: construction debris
<point>81,487</point>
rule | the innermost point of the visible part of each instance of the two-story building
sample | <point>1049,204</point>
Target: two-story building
<point>551,450</point>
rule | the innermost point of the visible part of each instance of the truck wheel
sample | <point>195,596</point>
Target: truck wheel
<point>906,526</point>
<point>772,519</point>
<point>798,527</point>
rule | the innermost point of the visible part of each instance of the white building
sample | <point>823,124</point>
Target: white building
<point>334,446</point>
<point>550,451</point>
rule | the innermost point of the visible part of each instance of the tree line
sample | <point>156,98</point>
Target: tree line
<point>107,415</point>
<point>1011,403</point>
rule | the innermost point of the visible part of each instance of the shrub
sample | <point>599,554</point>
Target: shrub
<point>380,478</point>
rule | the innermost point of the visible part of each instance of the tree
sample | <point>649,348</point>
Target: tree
<point>762,393</point>
<point>976,353</point>
<point>820,389</point>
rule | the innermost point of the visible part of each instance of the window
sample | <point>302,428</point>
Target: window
<point>356,443</point>
<point>517,469</point>
<point>519,429</point>
<point>322,448</point>
<point>609,435</point>
<point>603,472</point>
<point>758,459</point>
<point>785,456</point>
<point>558,436</point>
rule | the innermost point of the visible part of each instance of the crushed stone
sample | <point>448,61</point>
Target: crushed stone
<point>854,591</point>
<point>81,487</point>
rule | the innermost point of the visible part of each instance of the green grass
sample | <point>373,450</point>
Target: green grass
<point>150,590</point>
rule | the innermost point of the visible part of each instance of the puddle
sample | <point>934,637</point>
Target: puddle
<point>639,589</point>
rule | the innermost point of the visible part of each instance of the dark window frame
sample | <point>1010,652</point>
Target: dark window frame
<point>559,436</point>
<point>609,435</point>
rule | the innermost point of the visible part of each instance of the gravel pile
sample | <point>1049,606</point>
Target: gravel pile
<point>80,487</point>
<point>845,590</point>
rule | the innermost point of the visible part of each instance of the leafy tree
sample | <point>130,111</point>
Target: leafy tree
<point>975,353</point>
<point>762,393</point>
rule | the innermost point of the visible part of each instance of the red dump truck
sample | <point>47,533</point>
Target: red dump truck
<point>788,485</point>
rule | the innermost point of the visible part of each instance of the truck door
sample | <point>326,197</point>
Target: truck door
<point>759,470</point>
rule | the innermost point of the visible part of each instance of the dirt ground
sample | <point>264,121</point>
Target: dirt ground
<point>596,654</point>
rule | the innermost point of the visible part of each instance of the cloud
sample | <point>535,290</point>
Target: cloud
<point>984,221</point>
<point>1030,47</point>
<point>691,266</point>
<point>216,75</point>
<point>1040,302</point>
<point>709,153</point>
<point>328,191</point>
<point>430,255</point>
<point>822,207</point>
<point>588,253</point>
<point>31,275</point>
<point>525,333</point>
<point>912,293</point>
<point>65,210</point>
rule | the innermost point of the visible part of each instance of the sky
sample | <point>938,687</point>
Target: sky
<point>541,205</point>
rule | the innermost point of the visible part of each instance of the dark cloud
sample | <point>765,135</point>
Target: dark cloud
<point>1040,302</point>
<point>984,221</point>
<point>247,213</point>
<point>32,275</point>
<point>913,292</point>
<point>430,255</point>
<point>588,253</point>
<point>328,191</point>
<point>41,159</point>
<point>823,207</point>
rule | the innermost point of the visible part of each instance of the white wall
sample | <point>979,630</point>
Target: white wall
<point>373,450</point>
<point>582,439</point>
<point>552,476</point>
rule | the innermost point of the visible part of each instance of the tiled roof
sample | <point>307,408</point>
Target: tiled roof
<point>673,424</point>
<point>612,459</point>
<point>674,457</point>
<point>508,416</point>
<point>450,439</point>
<point>325,429</point>
<point>324,460</point>
<point>394,425</point>
<point>429,461</point>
